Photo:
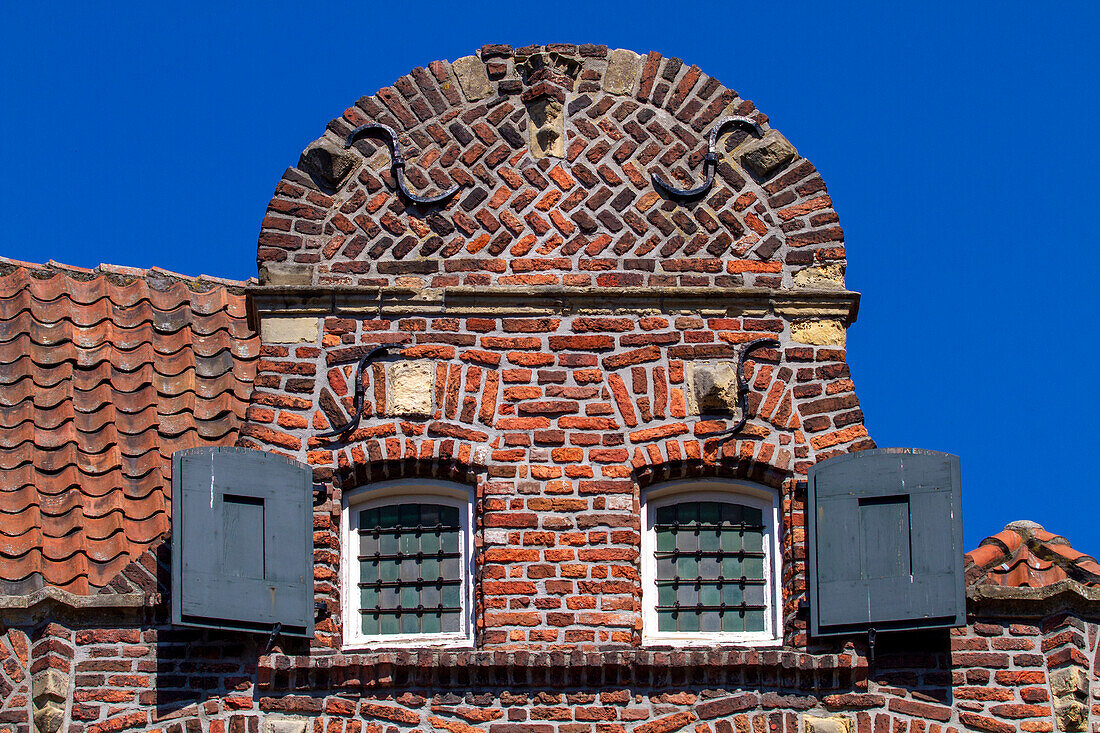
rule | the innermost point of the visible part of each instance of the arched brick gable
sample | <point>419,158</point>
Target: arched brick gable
<point>589,217</point>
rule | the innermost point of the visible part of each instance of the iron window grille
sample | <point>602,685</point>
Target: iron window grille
<point>408,552</point>
<point>709,565</point>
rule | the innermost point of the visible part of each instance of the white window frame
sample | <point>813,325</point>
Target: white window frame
<point>731,492</point>
<point>404,491</point>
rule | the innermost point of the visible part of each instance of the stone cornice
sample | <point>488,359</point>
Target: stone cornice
<point>1065,595</point>
<point>264,300</point>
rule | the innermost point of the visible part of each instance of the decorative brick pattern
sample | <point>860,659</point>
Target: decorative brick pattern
<point>585,216</point>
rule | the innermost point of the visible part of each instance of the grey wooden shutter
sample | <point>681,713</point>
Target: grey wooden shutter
<point>885,534</point>
<point>242,541</point>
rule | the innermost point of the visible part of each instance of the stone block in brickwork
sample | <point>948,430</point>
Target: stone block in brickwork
<point>288,331</point>
<point>827,332</point>
<point>825,277</point>
<point>768,155</point>
<point>831,724</point>
<point>285,725</point>
<point>327,162</point>
<point>473,77</point>
<point>411,384</point>
<point>711,387</point>
<point>622,72</point>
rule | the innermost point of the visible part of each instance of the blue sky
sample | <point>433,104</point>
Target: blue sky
<point>957,141</point>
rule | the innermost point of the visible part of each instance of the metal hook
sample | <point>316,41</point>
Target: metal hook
<point>398,162</point>
<point>354,421</point>
<point>710,160</point>
<point>742,388</point>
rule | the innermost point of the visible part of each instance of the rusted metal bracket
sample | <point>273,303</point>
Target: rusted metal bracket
<point>742,389</point>
<point>710,160</point>
<point>398,162</point>
<point>359,389</point>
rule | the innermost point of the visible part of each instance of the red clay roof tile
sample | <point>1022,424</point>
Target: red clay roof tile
<point>1024,555</point>
<point>104,374</point>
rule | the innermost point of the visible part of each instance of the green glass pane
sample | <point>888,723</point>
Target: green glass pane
<point>431,623</point>
<point>368,598</point>
<point>666,568</point>
<point>450,568</point>
<point>687,540</point>
<point>710,621</point>
<point>368,543</point>
<point>368,570</point>
<point>709,567</point>
<point>731,513</point>
<point>449,541</point>
<point>429,514</point>
<point>752,515</point>
<point>666,540</point>
<point>429,568</point>
<point>388,569</point>
<point>710,595</point>
<point>732,594</point>
<point>666,621</point>
<point>687,567</point>
<point>429,541</point>
<point>449,515</point>
<point>689,621</point>
<point>688,512</point>
<point>754,567</point>
<point>370,623</point>
<point>732,621</point>
<point>387,516</point>
<point>710,512</point>
<point>408,515</point>
<point>409,542</point>
<point>451,595</point>
<point>410,623</point>
<point>409,596</point>
<point>666,514</point>
<point>390,624</point>
<point>754,620</point>
<point>710,539</point>
<point>731,567</point>
<point>387,543</point>
<point>452,621</point>
<point>408,569</point>
<point>731,540</point>
<point>430,595</point>
<point>754,541</point>
<point>368,519</point>
<point>666,594</point>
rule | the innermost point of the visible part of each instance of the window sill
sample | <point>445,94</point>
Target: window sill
<point>425,666</point>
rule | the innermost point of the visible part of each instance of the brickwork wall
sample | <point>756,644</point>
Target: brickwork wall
<point>989,676</point>
<point>588,217</point>
<point>559,422</point>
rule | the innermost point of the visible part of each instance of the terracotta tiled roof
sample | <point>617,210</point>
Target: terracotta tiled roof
<point>1024,555</point>
<point>103,374</point>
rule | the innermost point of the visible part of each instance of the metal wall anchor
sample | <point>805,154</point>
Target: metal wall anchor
<point>742,389</point>
<point>398,161</point>
<point>710,160</point>
<point>354,421</point>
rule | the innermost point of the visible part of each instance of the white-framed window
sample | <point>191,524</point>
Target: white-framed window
<point>407,564</point>
<point>710,564</point>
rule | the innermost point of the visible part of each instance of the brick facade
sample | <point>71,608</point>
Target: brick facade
<point>558,304</point>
